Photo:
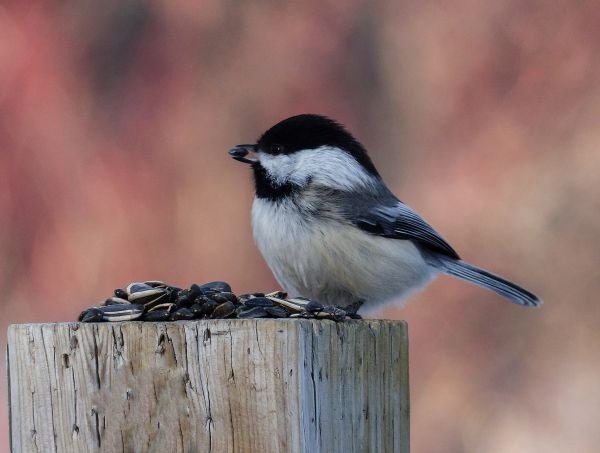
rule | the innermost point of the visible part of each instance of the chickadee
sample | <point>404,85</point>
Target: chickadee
<point>331,230</point>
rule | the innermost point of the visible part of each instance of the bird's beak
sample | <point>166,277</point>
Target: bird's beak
<point>240,152</point>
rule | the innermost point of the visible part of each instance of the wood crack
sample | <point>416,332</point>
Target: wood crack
<point>51,390</point>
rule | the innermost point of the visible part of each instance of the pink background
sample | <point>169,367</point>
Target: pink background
<point>116,118</point>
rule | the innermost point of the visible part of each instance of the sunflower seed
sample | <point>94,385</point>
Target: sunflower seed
<point>288,304</point>
<point>162,299</point>
<point>140,293</point>
<point>166,306</point>
<point>157,315</point>
<point>184,298</point>
<point>121,293</point>
<point>256,312</point>
<point>197,310</point>
<point>332,312</point>
<point>278,294</point>
<point>313,307</point>
<point>195,291</point>
<point>181,314</point>
<point>207,308</point>
<point>224,310</point>
<point>216,286</point>
<point>116,301</point>
<point>121,312</point>
<point>156,284</point>
<point>277,312</point>
<point>91,315</point>
<point>224,297</point>
<point>259,302</point>
<point>299,301</point>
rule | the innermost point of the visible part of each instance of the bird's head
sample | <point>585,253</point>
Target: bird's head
<point>306,149</point>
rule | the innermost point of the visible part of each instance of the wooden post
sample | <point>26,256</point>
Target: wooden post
<point>265,385</point>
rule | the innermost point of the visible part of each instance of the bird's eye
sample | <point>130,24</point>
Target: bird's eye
<point>276,148</point>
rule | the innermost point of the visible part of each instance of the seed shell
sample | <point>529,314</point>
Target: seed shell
<point>256,312</point>
<point>224,310</point>
<point>259,302</point>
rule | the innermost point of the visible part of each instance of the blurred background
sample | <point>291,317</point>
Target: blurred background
<point>116,118</point>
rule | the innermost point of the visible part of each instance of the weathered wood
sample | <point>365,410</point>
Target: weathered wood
<point>202,386</point>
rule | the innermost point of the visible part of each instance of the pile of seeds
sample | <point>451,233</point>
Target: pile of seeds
<point>157,301</point>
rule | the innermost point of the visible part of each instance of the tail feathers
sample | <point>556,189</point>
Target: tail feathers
<point>490,281</point>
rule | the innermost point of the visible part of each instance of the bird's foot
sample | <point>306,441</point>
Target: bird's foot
<point>352,309</point>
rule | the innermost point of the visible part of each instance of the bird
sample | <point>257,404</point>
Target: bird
<point>332,231</point>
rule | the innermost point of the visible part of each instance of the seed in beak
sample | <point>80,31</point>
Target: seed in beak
<point>240,152</point>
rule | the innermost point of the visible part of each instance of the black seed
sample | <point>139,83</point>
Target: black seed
<point>259,302</point>
<point>140,293</point>
<point>201,300</point>
<point>91,315</point>
<point>182,313</point>
<point>174,288</point>
<point>230,297</point>
<point>256,312</point>
<point>184,298</point>
<point>207,308</point>
<point>216,297</point>
<point>278,294</point>
<point>117,308</point>
<point>121,293</point>
<point>313,307</point>
<point>197,310</point>
<point>115,301</point>
<point>195,291</point>
<point>137,288</point>
<point>277,312</point>
<point>122,312</point>
<point>157,315</point>
<point>156,284</point>
<point>224,297</point>
<point>173,294</point>
<point>216,286</point>
<point>224,310</point>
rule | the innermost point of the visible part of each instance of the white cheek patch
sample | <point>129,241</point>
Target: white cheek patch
<point>326,165</point>
<point>279,168</point>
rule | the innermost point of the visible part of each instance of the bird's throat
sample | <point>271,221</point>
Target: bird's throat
<point>268,188</point>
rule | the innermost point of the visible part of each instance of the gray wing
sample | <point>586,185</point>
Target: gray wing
<point>380,213</point>
<point>384,215</point>
<point>401,222</point>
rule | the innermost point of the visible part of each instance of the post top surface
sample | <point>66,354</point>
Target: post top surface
<point>207,322</point>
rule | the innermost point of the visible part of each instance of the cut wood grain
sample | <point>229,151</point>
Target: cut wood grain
<point>261,385</point>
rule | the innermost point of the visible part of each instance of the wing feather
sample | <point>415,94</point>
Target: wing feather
<point>401,222</point>
<point>377,212</point>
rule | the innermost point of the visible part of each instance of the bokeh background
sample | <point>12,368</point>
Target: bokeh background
<point>115,120</point>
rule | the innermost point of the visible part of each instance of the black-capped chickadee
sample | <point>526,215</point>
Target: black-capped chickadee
<point>331,230</point>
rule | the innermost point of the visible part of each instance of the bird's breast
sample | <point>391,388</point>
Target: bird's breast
<point>286,239</point>
<point>330,260</point>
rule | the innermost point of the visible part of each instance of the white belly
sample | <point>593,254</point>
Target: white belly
<point>334,263</point>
